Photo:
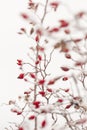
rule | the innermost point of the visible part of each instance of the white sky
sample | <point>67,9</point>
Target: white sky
<point>12,46</point>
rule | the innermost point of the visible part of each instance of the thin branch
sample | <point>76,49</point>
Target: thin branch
<point>45,10</point>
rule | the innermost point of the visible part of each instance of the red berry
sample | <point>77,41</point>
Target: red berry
<point>63,23</point>
<point>32,117</point>
<point>42,93</point>
<point>79,63</point>
<point>68,56</point>
<point>37,38</point>
<point>51,82</point>
<point>14,110</point>
<point>19,112</point>
<point>80,14</point>
<point>65,78</point>
<point>27,92</point>
<point>67,31</point>
<point>49,89</point>
<point>32,75</point>
<point>54,4</point>
<point>21,76</point>
<point>36,104</point>
<point>37,62</point>
<point>65,68</point>
<point>66,90</point>
<point>21,128</point>
<point>68,106</point>
<point>77,40</point>
<point>54,30</point>
<point>39,57</point>
<point>43,124</point>
<point>41,82</point>
<point>24,15</point>
<point>39,32</point>
<point>40,48</point>
<point>60,100</point>
<point>19,62</point>
<point>23,29</point>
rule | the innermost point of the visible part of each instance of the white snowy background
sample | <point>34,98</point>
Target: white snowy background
<point>13,47</point>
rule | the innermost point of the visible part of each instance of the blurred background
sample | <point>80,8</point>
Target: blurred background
<point>13,47</point>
